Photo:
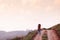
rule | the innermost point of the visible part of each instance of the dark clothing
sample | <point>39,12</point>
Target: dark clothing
<point>39,31</point>
<point>39,27</point>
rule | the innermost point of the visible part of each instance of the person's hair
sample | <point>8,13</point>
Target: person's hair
<point>39,24</point>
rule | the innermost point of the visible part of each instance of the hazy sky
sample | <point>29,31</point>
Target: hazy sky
<point>27,14</point>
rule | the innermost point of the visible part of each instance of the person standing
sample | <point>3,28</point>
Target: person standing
<point>39,28</point>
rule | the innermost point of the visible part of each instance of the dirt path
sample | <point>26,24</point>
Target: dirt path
<point>52,35</point>
<point>39,36</point>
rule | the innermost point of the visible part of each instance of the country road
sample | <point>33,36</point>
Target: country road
<point>39,36</point>
<point>51,34</point>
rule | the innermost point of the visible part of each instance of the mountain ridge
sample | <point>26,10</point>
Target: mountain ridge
<point>9,35</point>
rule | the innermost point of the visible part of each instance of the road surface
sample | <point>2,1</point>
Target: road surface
<point>52,35</point>
<point>39,36</point>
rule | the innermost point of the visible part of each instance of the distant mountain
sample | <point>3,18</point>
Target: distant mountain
<point>9,35</point>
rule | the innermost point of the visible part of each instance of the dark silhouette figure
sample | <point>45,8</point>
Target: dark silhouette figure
<point>38,31</point>
<point>39,27</point>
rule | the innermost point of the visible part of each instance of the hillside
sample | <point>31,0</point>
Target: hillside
<point>29,36</point>
<point>57,28</point>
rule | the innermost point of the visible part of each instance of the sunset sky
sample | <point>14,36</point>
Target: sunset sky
<point>27,14</point>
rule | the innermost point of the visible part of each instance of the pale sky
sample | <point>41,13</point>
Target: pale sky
<point>27,14</point>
